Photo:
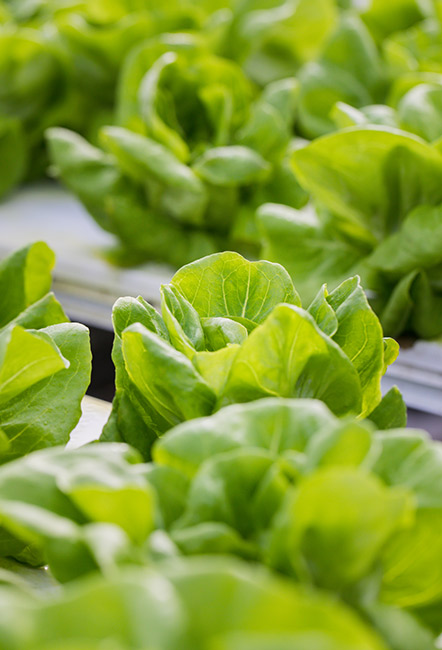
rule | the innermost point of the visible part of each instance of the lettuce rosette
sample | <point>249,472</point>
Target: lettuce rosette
<point>234,331</point>
<point>197,149</point>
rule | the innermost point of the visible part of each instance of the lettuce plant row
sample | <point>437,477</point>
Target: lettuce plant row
<point>194,127</point>
<point>190,122</point>
<point>272,524</point>
<point>273,521</point>
<point>68,63</point>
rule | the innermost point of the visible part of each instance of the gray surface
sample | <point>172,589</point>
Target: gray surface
<point>418,374</point>
<point>426,421</point>
<point>84,282</point>
<point>95,413</point>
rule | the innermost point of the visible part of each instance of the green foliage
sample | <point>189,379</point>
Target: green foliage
<point>234,331</point>
<point>59,65</point>
<point>178,121</point>
<point>173,173</point>
<point>45,362</point>
<point>349,70</point>
<point>186,121</point>
<point>387,228</point>
<point>268,524</point>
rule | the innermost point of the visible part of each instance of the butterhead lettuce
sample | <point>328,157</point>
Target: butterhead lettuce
<point>234,331</point>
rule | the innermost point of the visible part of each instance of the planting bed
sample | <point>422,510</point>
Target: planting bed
<point>88,285</point>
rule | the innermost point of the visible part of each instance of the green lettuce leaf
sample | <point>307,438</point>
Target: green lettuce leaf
<point>47,495</point>
<point>290,356</point>
<point>402,171</point>
<point>227,285</point>
<point>45,362</point>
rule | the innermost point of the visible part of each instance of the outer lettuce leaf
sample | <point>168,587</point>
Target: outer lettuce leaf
<point>247,503</point>
<point>367,227</point>
<point>396,16</point>
<point>231,166</point>
<point>187,604</point>
<point>410,459</point>
<point>177,392</point>
<point>419,111</point>
<point>227,285</point>
<point>359,334</point>
<point>309,251</point>
<point>46,496</point>
<point>273,39</point>
<point>132,419</point>
<point>402,171</point>
<point>267,130</point>
<point>345,115</point>
<point>347,514</point>
<point>75,621</point>
<point>109,196</point>
<point>273,424</point>
<point>391,412</point>
<point>251,602</point>
<point>25,278</point>
<point>417,244</point>
<point>182,194</point>
<point>322,85</point>
<point>401,630</point>
<point>338,543</point>
<point>45,412</point>
<point>408,262</point>
<point>25,359</point>
<point>412,578</point>
<point>45,363</point>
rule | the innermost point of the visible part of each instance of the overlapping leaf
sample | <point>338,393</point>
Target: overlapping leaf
<point>234,331</point>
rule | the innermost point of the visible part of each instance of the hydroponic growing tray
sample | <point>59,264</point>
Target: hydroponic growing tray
<point>84,282</point>
<point>95,413</point>
<point>418,374</point>
<point>87,285</point>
